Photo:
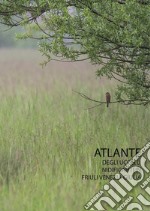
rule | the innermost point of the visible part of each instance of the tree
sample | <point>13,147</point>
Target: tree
<point>114,34</point>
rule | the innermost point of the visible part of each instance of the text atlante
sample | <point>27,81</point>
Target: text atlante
<point>106,152</point>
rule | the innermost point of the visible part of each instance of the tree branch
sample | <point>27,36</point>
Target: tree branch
<point>124,102</point>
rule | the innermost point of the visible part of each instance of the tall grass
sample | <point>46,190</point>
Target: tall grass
<point>48,139</point>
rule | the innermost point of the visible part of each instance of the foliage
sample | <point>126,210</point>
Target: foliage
<point>113,34</point>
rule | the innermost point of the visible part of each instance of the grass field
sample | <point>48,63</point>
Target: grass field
<point>48,137</point>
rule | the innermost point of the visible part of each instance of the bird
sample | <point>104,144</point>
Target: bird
<point>108,97</point>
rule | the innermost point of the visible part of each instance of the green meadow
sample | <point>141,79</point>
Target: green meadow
<point>48,136</point>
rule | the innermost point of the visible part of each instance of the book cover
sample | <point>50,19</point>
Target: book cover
<point>74,111</point>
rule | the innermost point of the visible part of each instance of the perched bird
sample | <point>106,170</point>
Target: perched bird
<point>108,97</point>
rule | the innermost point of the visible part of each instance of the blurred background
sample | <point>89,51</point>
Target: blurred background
<point>8,38</point>
<point>20,67</point>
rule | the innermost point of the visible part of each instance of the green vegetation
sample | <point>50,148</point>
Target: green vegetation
<point>112,33</point>
<point>48,138</point>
